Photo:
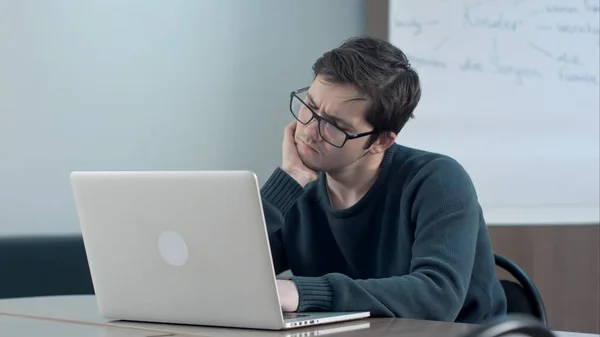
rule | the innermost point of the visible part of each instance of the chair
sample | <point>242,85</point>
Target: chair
<point>522,296</point>
<point>512,325</point>
<point>43,266</point>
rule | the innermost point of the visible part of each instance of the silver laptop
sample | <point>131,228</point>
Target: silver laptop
<point>187,247</point>
<point>204,331</point>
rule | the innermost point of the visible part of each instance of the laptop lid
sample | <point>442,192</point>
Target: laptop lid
<point>178,247</point>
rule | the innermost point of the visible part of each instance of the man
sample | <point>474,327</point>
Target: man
<point>364,223</point>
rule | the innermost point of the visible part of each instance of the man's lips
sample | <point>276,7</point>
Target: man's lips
<point>308,147</point>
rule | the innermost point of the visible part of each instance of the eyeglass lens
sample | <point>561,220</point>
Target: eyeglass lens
<point>329,132</point>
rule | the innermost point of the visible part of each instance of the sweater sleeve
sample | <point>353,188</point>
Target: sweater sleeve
<point>446,214</point>
<point>279,194</point>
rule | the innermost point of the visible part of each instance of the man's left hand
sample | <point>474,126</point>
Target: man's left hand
<point>288,295</point>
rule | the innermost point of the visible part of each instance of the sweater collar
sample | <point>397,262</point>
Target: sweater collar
<point>323,195</point>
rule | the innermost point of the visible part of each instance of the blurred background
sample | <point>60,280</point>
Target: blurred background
<point>148,85</point>
<point>192,85</point>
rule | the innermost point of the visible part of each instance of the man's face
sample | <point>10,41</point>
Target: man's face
<point>343,106</point>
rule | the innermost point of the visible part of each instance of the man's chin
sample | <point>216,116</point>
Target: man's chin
<point>309,163</point>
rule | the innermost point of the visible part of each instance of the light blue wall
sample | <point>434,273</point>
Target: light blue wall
<point>150,85</point>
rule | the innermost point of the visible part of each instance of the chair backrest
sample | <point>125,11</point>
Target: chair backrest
<point>43,266</point>
<point>522,296</point>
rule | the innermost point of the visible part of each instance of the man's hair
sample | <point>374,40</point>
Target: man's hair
<point>380,71</point>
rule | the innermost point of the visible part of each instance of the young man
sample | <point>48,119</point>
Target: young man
<point>364,223</point>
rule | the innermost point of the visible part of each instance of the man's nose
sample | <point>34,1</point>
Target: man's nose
<point>312,130</point>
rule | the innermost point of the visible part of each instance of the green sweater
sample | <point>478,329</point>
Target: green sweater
<point>415,246</point>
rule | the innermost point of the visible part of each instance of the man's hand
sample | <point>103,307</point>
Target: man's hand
<point>288,295</point>
<point>292,164</point>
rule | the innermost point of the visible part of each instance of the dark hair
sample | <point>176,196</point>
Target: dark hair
<point>380,71</point>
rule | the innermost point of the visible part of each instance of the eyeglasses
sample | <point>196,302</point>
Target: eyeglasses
<point>328,130</point>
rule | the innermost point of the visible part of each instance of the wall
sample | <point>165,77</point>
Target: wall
<point>563,260</point>
<point>148,85</point>
<point>564,263</point>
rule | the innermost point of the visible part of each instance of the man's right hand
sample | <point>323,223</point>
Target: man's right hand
<point>292,164</point>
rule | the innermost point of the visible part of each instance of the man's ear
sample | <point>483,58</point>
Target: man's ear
<point>383,142</point>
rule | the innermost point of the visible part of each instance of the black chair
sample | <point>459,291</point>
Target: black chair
<point>522,296</point>
<point>41,265</point>
<point>512,325</point>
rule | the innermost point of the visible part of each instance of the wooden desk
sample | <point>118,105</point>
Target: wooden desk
<point>82,310</point>
<point>14,326</point>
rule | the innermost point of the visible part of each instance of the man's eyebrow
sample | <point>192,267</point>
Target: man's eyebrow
<point>355,99</point>
<point>328,116</point>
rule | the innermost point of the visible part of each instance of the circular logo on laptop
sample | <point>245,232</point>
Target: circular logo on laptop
<point>172,248</point>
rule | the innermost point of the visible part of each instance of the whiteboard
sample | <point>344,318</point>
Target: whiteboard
<point>511,91</point>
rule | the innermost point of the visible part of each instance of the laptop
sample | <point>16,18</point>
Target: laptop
<point>183,247</point>
<point>204,331</point>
